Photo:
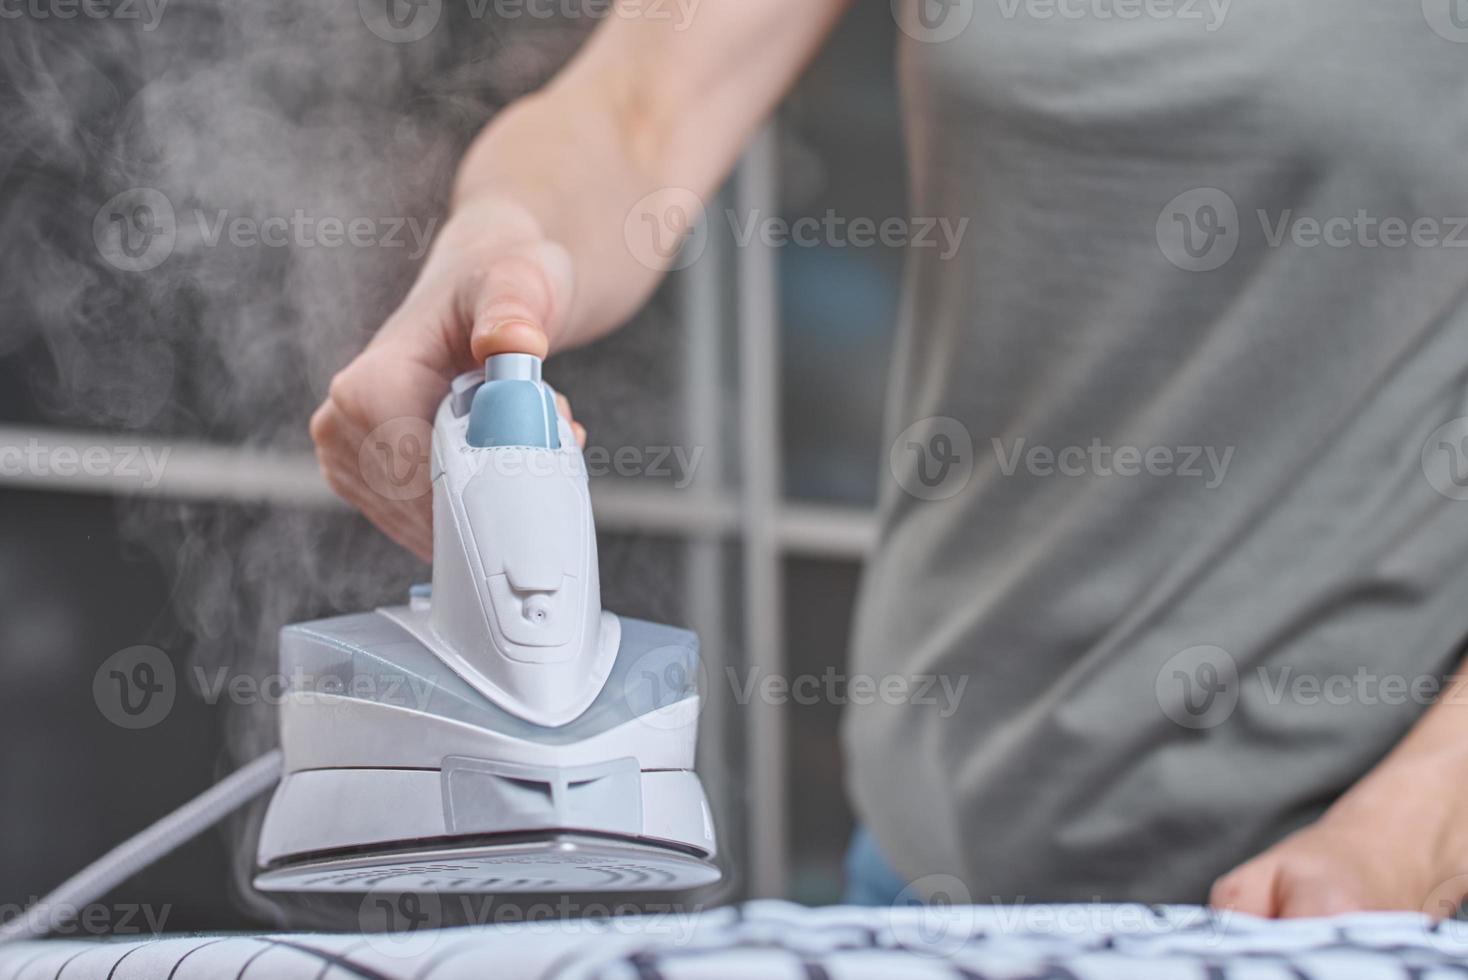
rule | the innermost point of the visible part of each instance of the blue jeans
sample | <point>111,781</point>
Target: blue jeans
<point>870,880</point>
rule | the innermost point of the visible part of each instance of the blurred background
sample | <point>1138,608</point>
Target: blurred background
<point>766,362</point>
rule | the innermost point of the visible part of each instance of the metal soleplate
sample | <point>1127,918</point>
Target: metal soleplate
<point>562,863</point>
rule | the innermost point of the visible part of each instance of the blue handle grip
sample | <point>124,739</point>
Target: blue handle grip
<point>513,407</point>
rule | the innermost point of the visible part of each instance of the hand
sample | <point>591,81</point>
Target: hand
<point>491,285</point>
<point>1374,851</point>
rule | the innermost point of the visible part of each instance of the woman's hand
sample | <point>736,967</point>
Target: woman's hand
<point>538,250</point>
<point>491,285</point>
<point>1394,842</point>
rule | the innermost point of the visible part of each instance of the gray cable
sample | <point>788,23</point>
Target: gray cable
<point>137,852</point>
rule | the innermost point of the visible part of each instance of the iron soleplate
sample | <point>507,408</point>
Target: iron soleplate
<point>554,864</point>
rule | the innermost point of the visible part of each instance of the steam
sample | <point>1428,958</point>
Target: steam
<point>257,111</point>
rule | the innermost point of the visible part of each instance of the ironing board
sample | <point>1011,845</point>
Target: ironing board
<point>779,940</point>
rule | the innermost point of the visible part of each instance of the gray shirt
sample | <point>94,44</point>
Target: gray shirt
<point>1186,507</point>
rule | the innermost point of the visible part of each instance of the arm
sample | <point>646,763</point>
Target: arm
<point>1398,839</point>
<point>533,256</point>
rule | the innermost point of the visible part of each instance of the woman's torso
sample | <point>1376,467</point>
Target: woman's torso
<point>1210,306</point>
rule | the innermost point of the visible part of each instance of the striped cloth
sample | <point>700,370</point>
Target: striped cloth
<point>778,940</point>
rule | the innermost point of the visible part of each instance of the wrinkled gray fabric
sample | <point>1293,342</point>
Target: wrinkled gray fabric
<point>1084,760</point>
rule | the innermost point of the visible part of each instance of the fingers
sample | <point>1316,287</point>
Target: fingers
<point>1309,896</point>
<point>518,303</point>
<point>1249,888</point>
<point>564,405</point>
<point>372,441</point>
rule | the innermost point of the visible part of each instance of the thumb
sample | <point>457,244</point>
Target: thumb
<point>518,304</point>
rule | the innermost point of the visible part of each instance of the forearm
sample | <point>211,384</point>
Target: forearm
<point>1423,782</point>
<point>643,107</point>
<point>554,167</point>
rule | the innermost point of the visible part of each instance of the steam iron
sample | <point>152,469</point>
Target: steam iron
<point>499,733</point>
